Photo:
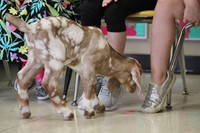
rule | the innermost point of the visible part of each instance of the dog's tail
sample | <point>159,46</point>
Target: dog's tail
<point>17,22</point>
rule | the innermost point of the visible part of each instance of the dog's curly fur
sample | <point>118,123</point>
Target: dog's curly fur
<point>54,42</point>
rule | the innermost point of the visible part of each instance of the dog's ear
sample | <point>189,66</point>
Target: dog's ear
<point>136,76</point>
<point>113,84</point>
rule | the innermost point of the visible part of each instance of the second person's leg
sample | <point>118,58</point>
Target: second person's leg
<point>163,35</point>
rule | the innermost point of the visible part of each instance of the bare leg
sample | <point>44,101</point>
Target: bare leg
<point>117,40</point>
<point>163,35</point>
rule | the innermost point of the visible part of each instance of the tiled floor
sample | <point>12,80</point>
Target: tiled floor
<point>183,118</point>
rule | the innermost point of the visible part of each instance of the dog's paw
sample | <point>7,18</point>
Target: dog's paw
<point>69,117</point>
<point>99,108</point>
<point>25,112</point>
<point>66,112</point>
<point>89,115</point>
<point>26,115</point>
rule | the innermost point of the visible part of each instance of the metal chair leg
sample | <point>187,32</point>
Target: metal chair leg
<point>77,82</point>
<point>169,98</point>
<point>67,81</point>
<point>8,74</point>
<point>183,71</point>
<point>175,57</point>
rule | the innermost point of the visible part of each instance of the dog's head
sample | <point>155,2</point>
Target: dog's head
<point>129,77</point>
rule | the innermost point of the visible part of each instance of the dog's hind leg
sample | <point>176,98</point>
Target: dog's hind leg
<point>50,85</point>
<point>24,78</point>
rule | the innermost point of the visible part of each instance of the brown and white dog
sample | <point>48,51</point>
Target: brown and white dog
<point>54,42</point>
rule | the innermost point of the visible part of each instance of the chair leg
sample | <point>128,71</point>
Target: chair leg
<point>67,81</point>
<point>174,60</point>
<point>183,71</point>
<point>8,74</point>
<point>183,75</point>
<point>77,82</point>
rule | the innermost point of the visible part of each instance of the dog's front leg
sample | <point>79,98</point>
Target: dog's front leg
<point>90,100</point>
